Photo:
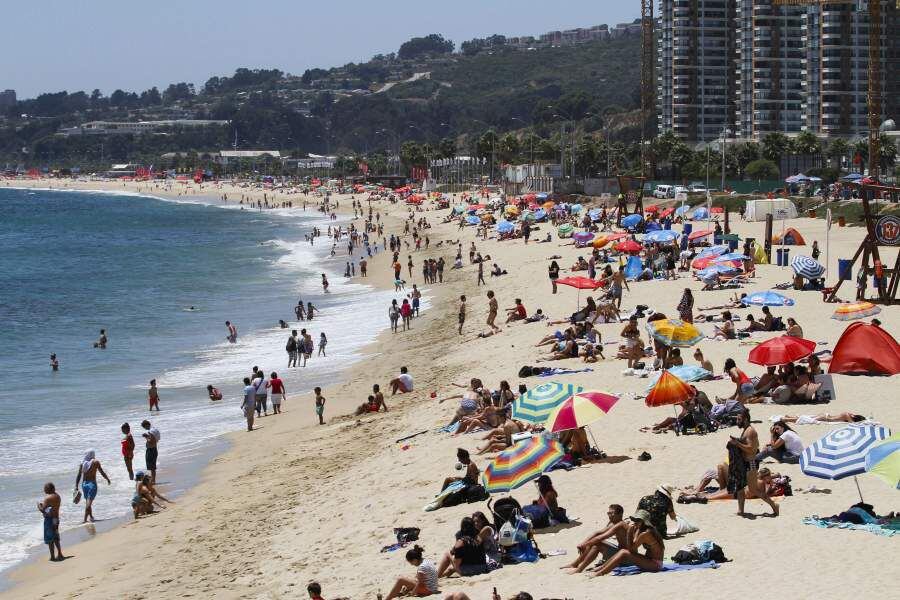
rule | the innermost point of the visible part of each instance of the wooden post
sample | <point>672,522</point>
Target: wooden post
<point>767,241</point>
<point>727,227</point>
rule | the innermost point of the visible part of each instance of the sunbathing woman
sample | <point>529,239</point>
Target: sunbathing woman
<point>564,350</point>
<point>638,533</point>
<point>501,438</point>
<point>487,418</point>
<point>844,417</point>
<point>726,331</point>
<point>764,475</point>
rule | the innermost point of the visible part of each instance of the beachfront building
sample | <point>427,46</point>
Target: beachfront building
<point>695,84</point>
<point>136,127</point>
<point>772,68</point>
<point>7,99</point>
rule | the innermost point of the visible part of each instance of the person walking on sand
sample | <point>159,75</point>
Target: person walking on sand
<point>320,405</point>
<point>323,341</point>
<point>409,266</point>
<point>49,509</point>
<point>493,308</point>
<point>87,477</point>
<point>685,306</point>
<point>394,314</point>
<point>248,404</point>
<point>480,271</point>
<point>462,312</point>
<point>406,314</point>
<point>128,449</point>
<point>262,395</point>
<point>743,467</point>
<point>415,295</point>
<point>278,392</point>
<point>232,332</point>
<point>291,348</point>
<point>324,283</point>
<point>153,395</point>
<point>151,452</point>
<point>618,282</point>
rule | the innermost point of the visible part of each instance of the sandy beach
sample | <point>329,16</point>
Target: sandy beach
<point>295,502</point>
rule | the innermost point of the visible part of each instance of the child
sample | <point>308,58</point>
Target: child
<point>153,395</point>
<point>128,449</point>
<point>315,591</point>
<point>322,342</point>
<point>320,405</point>
<point>589,356</point>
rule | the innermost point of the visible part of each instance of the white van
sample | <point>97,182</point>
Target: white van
<point>663,191</point>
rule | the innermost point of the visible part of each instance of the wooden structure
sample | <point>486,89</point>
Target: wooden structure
<point>629,195</point>
<point>881,232</point>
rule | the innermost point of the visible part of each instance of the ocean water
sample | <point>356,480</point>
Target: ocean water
<point>75,262</point>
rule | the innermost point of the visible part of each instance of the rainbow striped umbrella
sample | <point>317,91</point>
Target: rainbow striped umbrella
<point>536,404</point>
<point>521,463</point>
<point>849,311</point>
<point>883,460</point>
<point>674,333</point>
<point>581,409</point>
<point>668,390</point>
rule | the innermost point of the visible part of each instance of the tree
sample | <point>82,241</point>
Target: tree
<point>431,44</point>
<point>774,145</point>
<point>838,149</point>
<point>888,152</point>
<point>807,143</point>
<point>508,148</point>
<point>447,148</point>
<point>763,169</point>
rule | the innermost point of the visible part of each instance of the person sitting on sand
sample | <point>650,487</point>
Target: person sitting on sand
<point>517,312</point>
<point>604,543</point>
<point>425,582</point>
<point>793,329</point>
<point>589,353</point>
<point>727,330</point>
<point>803,386</point>
<point>785,447</point>
<point>639,532</point>
<point>673,359</point>
<point>760,325</point>
<point>488,417</point>
<point>470,400</point>
<point>743,387</point>
<point>563,350</point>
<point>555,337</point>
<point>145,496</point>
<point>487,537</point>
<point>467,556</point>
<point>545,511</point>
<point>704,362</point>
<point>500,439</point>
<point>465,461</point>
<point>699,494</point>
<point>403,383</point>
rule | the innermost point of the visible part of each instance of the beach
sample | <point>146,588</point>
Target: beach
<point>294,502</point>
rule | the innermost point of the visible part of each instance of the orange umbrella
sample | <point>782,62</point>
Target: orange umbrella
<point>548,205</point>
<point>668,390</point>
<point>600,242</point>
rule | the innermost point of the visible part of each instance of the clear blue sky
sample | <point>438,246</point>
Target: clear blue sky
<point>53,45</point>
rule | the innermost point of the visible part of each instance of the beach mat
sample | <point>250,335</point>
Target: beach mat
<point>888,530</point>
<point>668,567</point>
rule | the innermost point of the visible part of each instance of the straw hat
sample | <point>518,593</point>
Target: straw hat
<point>643,516</point>
<point>666,490</point>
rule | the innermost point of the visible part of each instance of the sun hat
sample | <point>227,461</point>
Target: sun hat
<point>666,490</point>
<point>643,516</point>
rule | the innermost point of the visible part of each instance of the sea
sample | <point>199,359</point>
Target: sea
<point>161,277</point>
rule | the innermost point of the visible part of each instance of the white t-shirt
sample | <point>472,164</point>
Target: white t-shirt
<point>260,385</point>
<point>429,573</point>
<point>792,442</point>
<point>250,393</point>
<point>155,433</point>
<point>407,381</point>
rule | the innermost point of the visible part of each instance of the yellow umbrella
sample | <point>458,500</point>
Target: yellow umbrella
<point>674,333</point>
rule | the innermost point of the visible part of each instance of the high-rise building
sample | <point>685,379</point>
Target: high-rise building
<point>695,83</point>
<point>789,68</point>
<point>7,99</point>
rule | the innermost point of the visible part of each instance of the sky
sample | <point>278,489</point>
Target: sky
<point>55,45</point>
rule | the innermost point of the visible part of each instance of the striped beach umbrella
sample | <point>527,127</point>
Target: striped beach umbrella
<point>662,236</point>
<point>807,267</point>
<point>713,251</point>
<point>674,333</point>
<point>668,390</point>
<point>883,460</point>
<point>842,453</point>
<point>536,404</point>
<point>521,463</point>
<point>687,373</point>
<point>581,409</point>
<point>848,311</point>
<point>766,298</point>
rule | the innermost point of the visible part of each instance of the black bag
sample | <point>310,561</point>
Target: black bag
<point>406,534</point>
<point>526,371</point>
<point>476,493</point>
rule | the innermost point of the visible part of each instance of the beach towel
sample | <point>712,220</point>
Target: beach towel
<point>558,371</point>
<point>888,529</point>
<point>438,501</point>
<point>668,567</point>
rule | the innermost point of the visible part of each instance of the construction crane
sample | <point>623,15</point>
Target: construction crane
<point>874,68</point>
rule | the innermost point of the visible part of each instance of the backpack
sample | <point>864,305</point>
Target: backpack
<point>526,371</point>
<point>291,345</point>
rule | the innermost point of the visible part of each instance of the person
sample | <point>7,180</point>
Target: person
<point>760,325</point>
<point>843,417</point>
<point>673,358</point>
<point>465,461</point>
<point>262,394</point>
<point>151,452</point>
<point>214,393</point>
<point>320,405</point>
<point>462,312</point>
<point>323,341</point>
<point>726,331</point>
<point>704,362</point>
<point>315,591</point>
<point>248,404</point>
<point>815,250</point>
<point>153,395</point>
<point>793,329</point>
<point>310,310</point>
<point>493,308</point>
<point>298,310</point>
<point>394,315</point>
<point>545,510</point>
<point>632,336</point>
<point>87,477</point>
<point>128,449</point>
<point>659,506</point>
<point>425,582</point>
<point>49,509</point>
<point>553,271</point>
<point>416,296</point>
<point>640,532</point>
<point>232,332</point>
<point>324,283</point>
<point>101,342</point>
<point>785,447</point>
<point>278,392</point>
<point>686,306</point>
<point>517,312</point>
<point>600,543</point>
<point>615,289</point>
<point>292,348</point>
<point>54,363</point>
<point>406,315</point>
<point>403,383</point>
<point>743,467</point>
<point>480,271</point>
<point>743,387</point>
<point>378,398</point>
<point>467,556</point>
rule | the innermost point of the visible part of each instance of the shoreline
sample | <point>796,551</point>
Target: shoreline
<point>317,503</point>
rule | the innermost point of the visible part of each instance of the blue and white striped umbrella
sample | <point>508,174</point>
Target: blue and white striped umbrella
<point>661,236</point>
<point>766,298</point>
<point>713,251</point>
<point>842,453</point>
<point>807,267</point>
<point>733,256</point>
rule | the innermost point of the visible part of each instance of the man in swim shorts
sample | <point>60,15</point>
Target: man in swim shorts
<point>151,453</point>
<point>49,508</point>
<point>87,477</point>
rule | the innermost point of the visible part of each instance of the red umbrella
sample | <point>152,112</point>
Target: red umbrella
<point>696,235</point>
<point>666,212</point>
<point>581,283</point>
<point>717,210</point>
<point>628,246</point>
<point>781,351</point>
<point>702,263</point>
<point>652,208</point>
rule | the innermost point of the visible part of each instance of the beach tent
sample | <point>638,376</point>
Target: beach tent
<point>792,237</point>
<point>756,210</point>
<point>865,349</point>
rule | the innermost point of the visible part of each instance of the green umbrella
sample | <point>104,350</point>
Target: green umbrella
<point>536,404</point>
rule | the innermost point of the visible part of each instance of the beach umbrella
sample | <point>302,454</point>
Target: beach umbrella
<point>537,403</point>
<point>713,251</point>
<point>612,237</point>
<point>583,237</point>
<point>842,453</point>
<point>548,205</point>
<point>594,214</point>
<point>883,460</point>
<point>674,333</point>
<point>700,233</point>
<point>662,236</point>
<point>686,373</point>
<point>505,227</point>
<point>565,230</point>
<point>807,267</point>
<point>540,214</point>
<point>575,209</point>
<point>652,209</point>
<point>700,214</point>
<point>717,269</point>
<point>600,242</point>
<point>473,220</point>
<point>652,226</point>
<point>631,221</point>
<point>732,256</point>
<point>848,311</point>
<point>852,177</point>
<point>580,410</point>
<point>766,298</point>
<point>628,247</point>
<point>708,261</point>
<point>781,350</point>
<point>682,210</point>
<point>521,463</point>
<point>668,390</point>
<point>541,196</point>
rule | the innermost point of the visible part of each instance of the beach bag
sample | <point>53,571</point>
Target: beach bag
<point>512,533</point>
<point>406,534</point>
<point>521,552</point>
<point>476,493</point>
<point>539,515</point>
<point>683,526</point>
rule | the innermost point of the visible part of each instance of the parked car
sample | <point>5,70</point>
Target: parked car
<point>697,188</point>
<point>664,191</point>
